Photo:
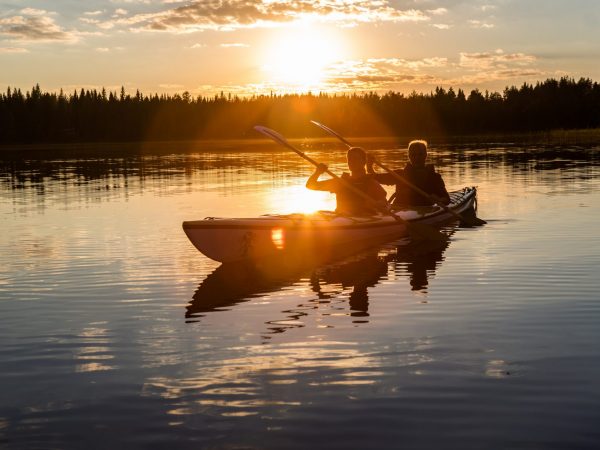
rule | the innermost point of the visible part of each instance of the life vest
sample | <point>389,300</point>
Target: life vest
<point>425,178</point>
<point>352,204</point>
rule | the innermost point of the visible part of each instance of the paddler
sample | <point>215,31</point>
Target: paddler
<point>416,172</point>
<point>348,202</point>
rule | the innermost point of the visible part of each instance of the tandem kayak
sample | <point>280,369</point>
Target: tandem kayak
<point>296,235</point>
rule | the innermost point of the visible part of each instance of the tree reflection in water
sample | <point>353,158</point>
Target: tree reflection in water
<point>232,284</point>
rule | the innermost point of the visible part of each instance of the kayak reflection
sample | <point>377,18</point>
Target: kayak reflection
<point>421,260</point>
<point>348,277</point>
<point>357,274</point>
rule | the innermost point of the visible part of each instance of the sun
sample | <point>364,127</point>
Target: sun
<point>298,59</point>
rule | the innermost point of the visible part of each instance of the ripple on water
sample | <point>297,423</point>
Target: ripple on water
<point>116,331</point>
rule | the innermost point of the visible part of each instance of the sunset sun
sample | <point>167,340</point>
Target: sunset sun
<point>299,59</point>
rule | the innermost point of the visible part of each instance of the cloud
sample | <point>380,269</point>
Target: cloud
<point>375,74</point>
<point>235,14</point>
<point>89,33</point>
<point>89,21</point>
<point>398,74</point>
<point>234,44</point>
<point>35,12</point>
<point>381,73</point>
<point>496,75</point>
<point>497,59</point>
<point>120,12</point>
<point>198,45</point>
<point>441,26</point>
<point>34,27</point>
<point>103,24</point>
<point>390,73</point>
<point>93,13</point>
<point>437,11</point>
<point>481,24</point>
<point>412,64</point>
<point>497,65</point>
<point>5,50</point>
<point>339,84</point>
<point>373,82</point>
<point>171,86</point>
<point>109,49</point>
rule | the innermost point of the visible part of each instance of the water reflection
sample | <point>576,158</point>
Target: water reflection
<point>93,285</point>
<point>223,166</point>
<point>349,276</point>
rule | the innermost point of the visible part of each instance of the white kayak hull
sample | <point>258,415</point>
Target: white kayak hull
<point>229,240</point>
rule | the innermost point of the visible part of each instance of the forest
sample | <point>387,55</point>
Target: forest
<point>100,116</point>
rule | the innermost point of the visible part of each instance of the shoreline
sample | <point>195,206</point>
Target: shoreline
<point>553,137</point>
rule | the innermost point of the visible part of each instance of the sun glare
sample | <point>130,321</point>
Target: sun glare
<point>297,59</point>
<point>298,199</point>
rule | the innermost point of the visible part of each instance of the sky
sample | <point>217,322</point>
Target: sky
<point>247,47</point>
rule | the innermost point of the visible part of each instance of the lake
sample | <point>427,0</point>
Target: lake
<point>116,332</point>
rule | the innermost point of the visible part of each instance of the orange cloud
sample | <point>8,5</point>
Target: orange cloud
<point>34,25</point>
<point>235,14</point>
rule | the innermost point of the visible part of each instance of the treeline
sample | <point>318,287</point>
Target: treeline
<point>97,116</point>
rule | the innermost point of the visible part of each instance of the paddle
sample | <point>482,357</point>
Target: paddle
<point>470,221</point>
<point>416,230</point>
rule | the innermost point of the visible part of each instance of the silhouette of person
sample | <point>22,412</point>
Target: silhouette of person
<point>349,202</point>
<point>416,172</point>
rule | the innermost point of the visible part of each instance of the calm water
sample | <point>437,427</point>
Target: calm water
<point>116,332</point>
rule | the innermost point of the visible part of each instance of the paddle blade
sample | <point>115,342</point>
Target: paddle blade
<point>330,131</point>
<point>471,221</point>
<point>273,135</point>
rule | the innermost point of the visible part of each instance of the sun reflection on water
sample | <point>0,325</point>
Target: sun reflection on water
<point>95,351</point>
<point>236,386</point>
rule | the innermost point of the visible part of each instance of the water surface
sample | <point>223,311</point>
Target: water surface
<point>116,331</point>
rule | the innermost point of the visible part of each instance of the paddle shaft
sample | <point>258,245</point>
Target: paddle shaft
<point>393,174</point>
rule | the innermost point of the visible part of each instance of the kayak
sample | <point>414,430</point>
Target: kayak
<point>297,235</point>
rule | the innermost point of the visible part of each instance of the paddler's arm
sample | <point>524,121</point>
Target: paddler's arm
<point>370,161</point>
<point>316,185</point>
<point>382,178</point>
<point>440,193</point>
<point>379,195</point>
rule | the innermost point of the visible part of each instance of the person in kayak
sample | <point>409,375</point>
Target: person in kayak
<point>348,202</point>
<point>418,173</point>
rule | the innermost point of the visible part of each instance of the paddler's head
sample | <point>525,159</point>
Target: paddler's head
<point>417,153</point>
<point>357,158</point>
